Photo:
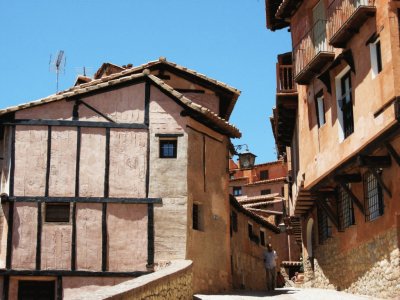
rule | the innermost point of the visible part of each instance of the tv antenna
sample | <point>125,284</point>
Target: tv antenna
<point>58,64</point>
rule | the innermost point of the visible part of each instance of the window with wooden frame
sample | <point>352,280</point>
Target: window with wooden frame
<point>168,147</point>
<point>376,56</point>
<point>320,109</point>
<point>266,192</point>
<point>373,197</point>
<point>345,208</point>
<point>346,104</point>
<point>324,226</point>
<point>197,223</point>
<point>237,191</point>
<point>264,175</point>
<point>57,212</point>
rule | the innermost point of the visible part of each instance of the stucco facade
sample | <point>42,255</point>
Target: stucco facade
<point>344,141</point>
<point>92,158</point>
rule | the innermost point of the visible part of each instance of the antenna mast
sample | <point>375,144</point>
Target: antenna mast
<point>59,65</point>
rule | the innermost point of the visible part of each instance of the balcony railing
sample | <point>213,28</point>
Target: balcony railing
<point>285,79</point>
<point>312,53</point>
<point>345,17</point>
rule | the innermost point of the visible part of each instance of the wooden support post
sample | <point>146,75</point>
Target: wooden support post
<point>393,153</point>
<point>39,236</point>
<point>104,208</point>
<point>327,209</point>
<point>59,288</point>
<point>11,204</point>
<point>150,236</point>
<point>380,181</point>
<point>352,196</point>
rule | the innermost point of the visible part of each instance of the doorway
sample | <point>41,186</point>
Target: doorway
<point>36,290</point>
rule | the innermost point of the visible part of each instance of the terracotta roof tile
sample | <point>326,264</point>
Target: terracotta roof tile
<point>267,181</point>
<point>100,83</point>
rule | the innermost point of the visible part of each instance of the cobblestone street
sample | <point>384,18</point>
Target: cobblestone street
<point>286,294</point>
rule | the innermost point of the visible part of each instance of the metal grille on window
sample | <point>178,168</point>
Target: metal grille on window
<point>324,229</point>
<point>373,197</point>
<point>345,209</point>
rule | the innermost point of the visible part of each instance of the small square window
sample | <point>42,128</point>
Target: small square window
<point>264,175</point>
<point>57,212</point>
<point>168,148</point>
<point>237,191</point>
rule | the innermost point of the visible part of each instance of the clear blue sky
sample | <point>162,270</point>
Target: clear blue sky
<point>223,39</point>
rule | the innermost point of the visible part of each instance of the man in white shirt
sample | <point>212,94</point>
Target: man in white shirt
<point>270,265</point>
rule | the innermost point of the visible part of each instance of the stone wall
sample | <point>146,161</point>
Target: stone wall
<point>371,269</point>
<point>173,282</point>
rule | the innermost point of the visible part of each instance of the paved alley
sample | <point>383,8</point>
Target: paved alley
<point>286,294</point>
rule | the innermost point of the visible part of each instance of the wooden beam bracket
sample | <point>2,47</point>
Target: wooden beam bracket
<point>393,153</point>
<point>380,181</point>
<point>329,212</point>
<point>352,196</point>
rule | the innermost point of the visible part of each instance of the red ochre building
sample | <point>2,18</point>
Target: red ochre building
<point>337,122</point>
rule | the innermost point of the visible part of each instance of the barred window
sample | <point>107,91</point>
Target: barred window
<point>345,209</point>
<point>373,197</point>
<point>324,227</point>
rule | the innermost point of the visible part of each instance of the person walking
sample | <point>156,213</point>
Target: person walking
<point>270,257</point>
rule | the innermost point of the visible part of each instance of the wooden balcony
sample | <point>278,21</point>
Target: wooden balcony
<point>312,53</point>
<point>284,79</point>
<point>345,17</point>
<point>284,115</point>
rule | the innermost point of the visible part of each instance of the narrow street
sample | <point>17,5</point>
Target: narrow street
<point>286,294</point>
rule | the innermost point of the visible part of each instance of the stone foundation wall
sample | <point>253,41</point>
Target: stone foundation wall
<point>371,269</point>
<point>175,281</point>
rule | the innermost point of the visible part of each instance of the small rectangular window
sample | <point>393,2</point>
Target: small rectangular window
<point>347,104</point>
<point>324,227</point>
<point>57,212</point>
<point>168,148</point>
<point>262,238</point>
<point>237,191</point>
<point>373,197</point>
<point>376,57</point>
<point>250,230</point>
<point>345,208</point>
<point>197,213</point>
<point>264,175</point>
<point>266,192</point>
<point>320,109</point>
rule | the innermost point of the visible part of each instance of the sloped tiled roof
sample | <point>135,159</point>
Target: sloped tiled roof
<point>162,61</point>
<point>267,181</point>
<point>270,197</point>
<point>257,218</point>
<point>111,80</point>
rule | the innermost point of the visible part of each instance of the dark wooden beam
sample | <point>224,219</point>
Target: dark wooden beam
<point>77,191</point>
<point>84,200</point>
<point>393,153</point>
<point>59,288</point>
<point>6,286</point>
<point>147,90</point>
<point>150,236</point>
<point>12,272</point>
<point>329,212</point>
<point>12,162</point>
<point>348,178</point>
<point>72,123</point>
<point>47,186</point>
<point>73,238</point>
<point>104,252</point>
<point>352,197</point>
<point>96,111</point>
<point>374,161</point>
<point>380,181</point>
<point>9,234</point>
<point>39,236</point>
